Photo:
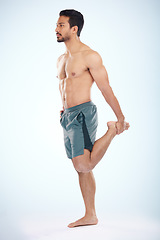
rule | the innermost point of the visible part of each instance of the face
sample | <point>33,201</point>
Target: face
<point>63,30</point>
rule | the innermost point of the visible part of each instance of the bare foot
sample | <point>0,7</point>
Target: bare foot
<point>112,126</point>
<point>86,220</point>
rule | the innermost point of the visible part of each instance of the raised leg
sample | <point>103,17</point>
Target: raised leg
<point>101,145</point>
<point>88,187</point>
<point>87,161</point>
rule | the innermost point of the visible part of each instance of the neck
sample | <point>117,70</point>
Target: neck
<point>73,45</point>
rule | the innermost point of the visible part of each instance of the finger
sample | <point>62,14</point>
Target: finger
<point>119,131</point>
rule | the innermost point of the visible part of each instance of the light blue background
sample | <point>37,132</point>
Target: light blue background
<point>36,178</point>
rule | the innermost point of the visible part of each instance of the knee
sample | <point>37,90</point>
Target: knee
<point>82,168</point>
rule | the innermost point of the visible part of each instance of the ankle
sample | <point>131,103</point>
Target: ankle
<point>90,213</point>
<point>112,132</point>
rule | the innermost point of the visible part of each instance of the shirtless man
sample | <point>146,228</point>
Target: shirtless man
<point>78,68</point>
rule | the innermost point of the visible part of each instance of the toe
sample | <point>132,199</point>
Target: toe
<point>70,225</point>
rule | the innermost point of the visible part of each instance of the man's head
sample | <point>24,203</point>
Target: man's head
<point>70,22</point>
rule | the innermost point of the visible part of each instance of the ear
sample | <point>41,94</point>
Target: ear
<point>75,29</point>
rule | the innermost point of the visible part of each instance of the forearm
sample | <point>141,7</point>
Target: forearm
<point>114,104</point>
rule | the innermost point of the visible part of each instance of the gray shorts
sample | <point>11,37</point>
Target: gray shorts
<point>79,127</point>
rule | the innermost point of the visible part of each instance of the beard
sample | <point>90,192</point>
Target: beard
<point>63,39</point>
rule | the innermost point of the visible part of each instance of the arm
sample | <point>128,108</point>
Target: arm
<point>60,87</point>
<point>100,76</point>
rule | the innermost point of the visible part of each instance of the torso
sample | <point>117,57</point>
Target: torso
<point>75,80</point>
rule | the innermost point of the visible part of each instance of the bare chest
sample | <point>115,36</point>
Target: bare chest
<point>70,67</point>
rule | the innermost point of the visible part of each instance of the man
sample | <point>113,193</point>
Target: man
<point>78,68</point>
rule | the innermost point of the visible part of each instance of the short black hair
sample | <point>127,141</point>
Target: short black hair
<point>75,19</point>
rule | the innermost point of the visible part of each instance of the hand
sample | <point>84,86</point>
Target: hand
<point>121,126</point>
<point>61,113</point>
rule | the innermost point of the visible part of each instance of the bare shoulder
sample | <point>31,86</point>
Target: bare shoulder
<point>60,58</point>
<point>92,58</point>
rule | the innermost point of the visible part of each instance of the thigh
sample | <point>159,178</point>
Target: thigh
<point>91,122</point>
<point>81,162</point>
<point>67,145</point>
<point>77,140</point>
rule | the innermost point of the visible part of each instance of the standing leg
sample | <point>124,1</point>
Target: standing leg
<point>88,188</point>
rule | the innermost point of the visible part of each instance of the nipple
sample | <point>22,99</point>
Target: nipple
<point>73,74</point>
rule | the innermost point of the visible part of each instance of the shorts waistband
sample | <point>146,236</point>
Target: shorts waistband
<point>79,107</point>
